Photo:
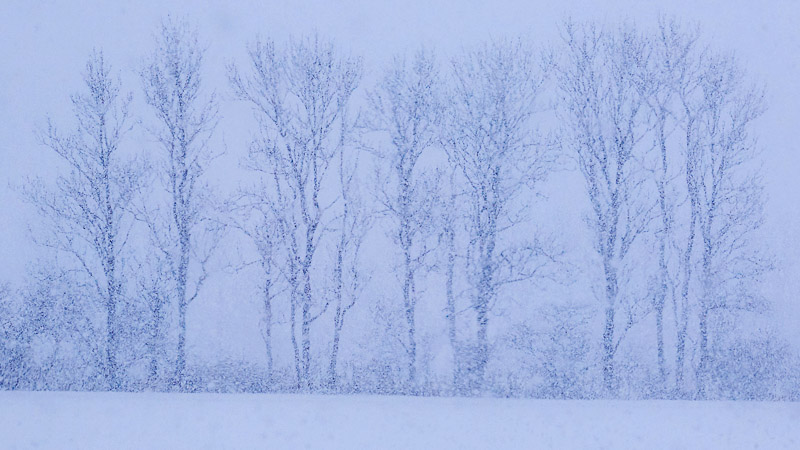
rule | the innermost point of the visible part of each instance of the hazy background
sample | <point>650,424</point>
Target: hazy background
<point>44,46</point>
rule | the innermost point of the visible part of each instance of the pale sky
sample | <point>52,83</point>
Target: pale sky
<point>44,45</point>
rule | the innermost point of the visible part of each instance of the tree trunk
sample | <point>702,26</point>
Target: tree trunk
<point>155,327</point>
<point>305,332</point>
<point>683,325</point>
<point>338,318</point>
<point>410,319</point>
<point>662,255</point>
<point>268,327</point>
<point>451,302</point>
<point>334,354</point>
<point>183,268</point>
<point>609,376</point>
<point>111,343</point>
<point>293,334</point>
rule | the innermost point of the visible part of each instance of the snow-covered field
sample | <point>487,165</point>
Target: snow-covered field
<point>118,420</point>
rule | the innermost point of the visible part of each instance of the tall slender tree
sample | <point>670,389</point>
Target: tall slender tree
<point>349,278</point>
<point>185,121</point>
<point>407,107</point>
<point>88,212</point>
<point>602,111</point>
<point>300,96</point>
<point>489,137</point>
<point>668,63</point>
<point>726,193</point>
<point>257,219</point>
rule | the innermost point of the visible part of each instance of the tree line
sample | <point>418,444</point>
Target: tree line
<point>439,165</point>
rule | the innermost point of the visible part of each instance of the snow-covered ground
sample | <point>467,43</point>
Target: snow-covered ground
<point>117,420</point>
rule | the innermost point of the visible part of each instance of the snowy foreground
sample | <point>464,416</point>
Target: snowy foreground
<point>117,420</point>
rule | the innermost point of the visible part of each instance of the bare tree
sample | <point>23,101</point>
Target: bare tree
<point>406,107</point>
<point>185,122</point>
<point>450,227</point>
<point>667,66</point>
<point>556,347</point>
<point>300,97</point>
<point>687,83</point>
<point>725,192</point>
<point>13,353</point>
<point>704,96</point>
<point>87,212</point>
<point>57,332</point>
<point>257,218</point>
<point>451,220</point>
<point>153,287</point>
<point>349,278</point>
<point>602,112</point>
<point>489,136</point>
<point>265,239</point>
